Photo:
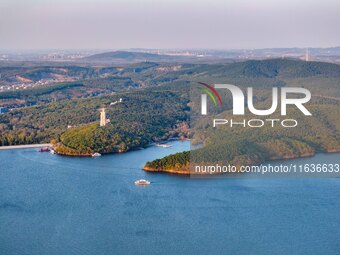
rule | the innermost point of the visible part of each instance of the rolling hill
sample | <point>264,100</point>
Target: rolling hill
<point>128,56</point>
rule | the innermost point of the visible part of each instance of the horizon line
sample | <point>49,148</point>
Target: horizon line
<point>175,48</point>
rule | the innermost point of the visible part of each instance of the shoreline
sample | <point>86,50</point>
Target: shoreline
<point>172,139</point>
<point>54,147</point>
<point>185,171</point>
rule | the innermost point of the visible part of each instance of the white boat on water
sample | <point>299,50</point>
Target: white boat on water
<point>52,151</point>
<point>163,145</point>
<point>96,154</point>
<point>142,182</point>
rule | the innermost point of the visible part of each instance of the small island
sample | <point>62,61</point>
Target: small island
<point>178,163</point>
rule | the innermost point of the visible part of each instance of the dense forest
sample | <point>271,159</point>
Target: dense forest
<point>147,113</point>
<point>91,138</point>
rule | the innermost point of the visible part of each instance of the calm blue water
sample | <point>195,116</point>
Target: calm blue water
<point>58,205</point>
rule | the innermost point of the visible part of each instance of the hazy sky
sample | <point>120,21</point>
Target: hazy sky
<point>222,24</point>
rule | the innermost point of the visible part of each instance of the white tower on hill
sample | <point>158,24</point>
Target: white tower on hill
<point>102,117</point>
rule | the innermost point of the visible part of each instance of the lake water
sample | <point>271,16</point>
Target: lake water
<point>59,205</point>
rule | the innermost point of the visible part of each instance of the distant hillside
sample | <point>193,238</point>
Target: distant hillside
<point>287,68</point>
<point>272,68</point>
<point>127,56</point>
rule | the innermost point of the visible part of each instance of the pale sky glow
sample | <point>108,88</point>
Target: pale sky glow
<point>228,24</point>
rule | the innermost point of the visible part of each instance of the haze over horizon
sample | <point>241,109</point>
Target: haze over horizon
<point>216,24</point>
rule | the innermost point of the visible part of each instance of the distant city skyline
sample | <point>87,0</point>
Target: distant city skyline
<point>163,24</point>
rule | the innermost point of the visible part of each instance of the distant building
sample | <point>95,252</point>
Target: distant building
<point>3,110</point>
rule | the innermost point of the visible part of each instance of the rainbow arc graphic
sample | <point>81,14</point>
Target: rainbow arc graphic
<point>211,91</point>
